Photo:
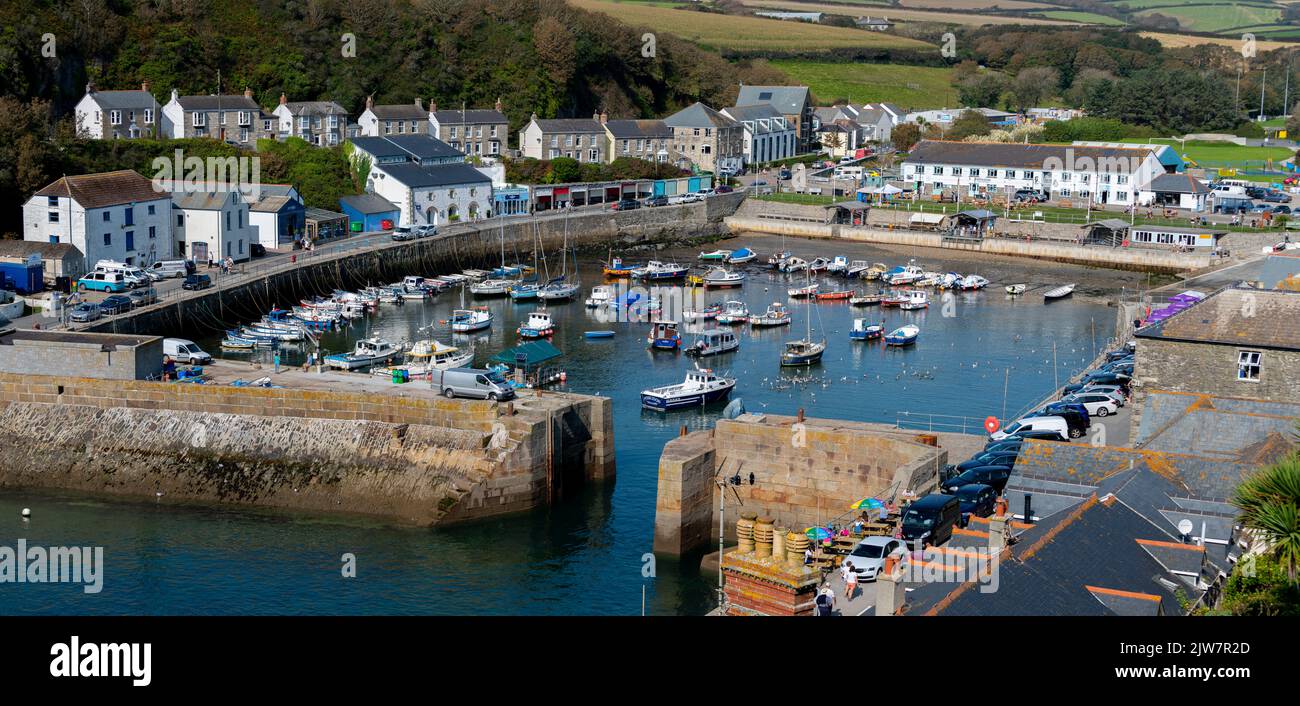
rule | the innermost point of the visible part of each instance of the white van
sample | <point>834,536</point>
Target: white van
<point>470,382</point>
<point>848,172</point>
<point>1226,189</point>
<point>134,276</point>
<point>185,351</point>
<point>1056,424</point>
<point>164,269</point>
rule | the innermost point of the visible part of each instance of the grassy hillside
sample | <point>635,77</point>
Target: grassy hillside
<point>716,30</point>
<point>908,86</point>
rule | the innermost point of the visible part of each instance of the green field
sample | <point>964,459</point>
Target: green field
<point>908,86</point>
<point>1220,153</point>
<point>1216,18</point>
<point>1072,16</point>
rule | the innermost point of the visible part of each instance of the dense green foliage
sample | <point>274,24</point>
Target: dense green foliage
<point>1259,586</point>
<point>1095,129</point>
<point>562,170</point>
<point>1269,502</point>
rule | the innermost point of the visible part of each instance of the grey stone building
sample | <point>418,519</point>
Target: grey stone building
<point>236,119</point>
<point>1239,342</point>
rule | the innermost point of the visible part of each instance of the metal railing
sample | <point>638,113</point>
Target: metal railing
<point>924,421</point>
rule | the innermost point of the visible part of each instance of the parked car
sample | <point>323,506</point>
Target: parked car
<point>995,476</point>
<point>1277,197</point>
<point>143,297</point>
<point>185,351</point>
<point>401,233</point>
<point>1029,196</point>
<point>868,558</point>
<point>1076,417</point>
<point>690,198</point>
<point>84,312</point>
<point>657,201</point>
<point>724,189</point>
<point>988,458</point>
<point>1282,209</point>
<point>424,231</point>
<point>1098,404</point>
<point>1114,392</point>
<point>977,500</point>
<point>1097,377</point>
<point>1009,444</point>
<point>1018,427</point>
<point>1042,435</point>
<point>256,250</point>
<point>626,205</point>
<point>931,519</point>
<point>196,282</point>
<point>115,304</point>
<point>104,282</point>
<point>163,269</point>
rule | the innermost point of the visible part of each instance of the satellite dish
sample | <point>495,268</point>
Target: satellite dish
<point>734,409</point>
<point>1185,527</point>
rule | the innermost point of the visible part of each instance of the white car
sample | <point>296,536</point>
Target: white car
<point>1115,392</point>
<point>868,558</point>
<point>1097,404</point>
<point>1051,424</point>
<point>690,198</point>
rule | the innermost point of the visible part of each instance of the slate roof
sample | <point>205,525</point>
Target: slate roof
<point>1020,156</point>
<point>47,251</point>
<point>412,147</point>
<point>201,201</point>
<point>104,189</point>
<point>1261,318</point>
<point>698,115</point>
<point>1177,184</point>
<point>209,103</point>
<point>314,108</point>
<point>562,125</point>
<point>368,203</point>
<point>123,100</point>
<point>1057,570</point>
<point>634,129</point>
<point>422,176</point>
<point>790,100</point>
<point>473,117</point>
<point>405,111</point>
<point>270,204</point>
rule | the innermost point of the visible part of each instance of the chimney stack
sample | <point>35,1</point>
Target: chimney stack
<point>248,92</point>
<point>433,106</point>
<point>283,98</point>
<point>370,101</point>
<point>144,86</point>
<point>419,102</point>
<point>604,117</point>
<point>90,87</point>
<point>500,106</point>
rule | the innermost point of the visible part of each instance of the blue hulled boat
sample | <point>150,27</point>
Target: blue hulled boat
<point>701,387</point>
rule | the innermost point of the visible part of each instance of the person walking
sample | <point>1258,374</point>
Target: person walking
<point>850,582</point>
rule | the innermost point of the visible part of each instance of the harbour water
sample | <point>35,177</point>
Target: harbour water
<point>983,353</point>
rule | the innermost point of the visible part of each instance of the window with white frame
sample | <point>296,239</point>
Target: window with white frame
<point>198,119</point>
<point>148,116</point>
<point>115,117</point>
<point>1248,365</point>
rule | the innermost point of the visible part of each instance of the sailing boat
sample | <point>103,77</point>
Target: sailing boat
<point>804,351</point>
<point>527,289</point>
<point>557,289</point>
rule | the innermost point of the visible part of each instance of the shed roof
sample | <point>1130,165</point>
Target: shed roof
<point>534,352</point>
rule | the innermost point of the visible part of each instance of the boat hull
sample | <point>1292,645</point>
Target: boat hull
<point>695,399</point>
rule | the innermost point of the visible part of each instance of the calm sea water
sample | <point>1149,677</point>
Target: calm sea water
<point>585,556</point>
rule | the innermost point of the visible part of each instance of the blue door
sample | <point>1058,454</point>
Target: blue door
<point>693,185</point>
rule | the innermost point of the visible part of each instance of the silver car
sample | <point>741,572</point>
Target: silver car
<point>868,558</point>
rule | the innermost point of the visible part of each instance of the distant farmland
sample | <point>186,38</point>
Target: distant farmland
<point>720,31</point>
<point>908,86</point>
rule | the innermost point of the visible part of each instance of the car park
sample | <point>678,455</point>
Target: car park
<point>196,282</point>
<point>994,476</point>
<point>977,500</point>
<point>115,304</point>
<point>143,296</point>
<point>1098,405</point>
<point>868,557</point>
<point>85,312</point>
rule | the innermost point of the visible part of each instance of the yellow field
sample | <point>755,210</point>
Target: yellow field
<point>894,14</point>
<point>1182,40</point>
<point>732,32</point>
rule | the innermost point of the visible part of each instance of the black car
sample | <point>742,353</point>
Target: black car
<point>627,205</point>
<point>989,458</point>
<point>1009,444</point>
<point>1039,434</point>
<point>1098,377</point>
<point>995,476</point>
<point>977,500</point>
<point>724,189</point>
<point>1282,209</point>
<point>115,304</point>
<point>657,201</point>
<point>196,282</point>
<point>256,249</point>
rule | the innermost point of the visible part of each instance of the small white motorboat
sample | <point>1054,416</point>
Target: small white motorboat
<point>1014,289</point>
<point>601,296</point>
<point>713,342</point>
<point>776,315</point>
<point>915,299</point>
<point>538,325</point>
<point>719,277</point>
<point>1059,292</point>
<point>490,287</point>
<point>470,320</point>
<point>733,312</point>
<point>903,335</point>
<point>367,351</point>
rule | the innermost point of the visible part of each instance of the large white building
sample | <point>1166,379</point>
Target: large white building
<point>768,137</point>
<point>433,195</point>
<point>212,226</point>
<point>109,216</point>
<point>1100,174</point>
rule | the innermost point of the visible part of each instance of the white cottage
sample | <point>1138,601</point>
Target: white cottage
<point>108,216</point>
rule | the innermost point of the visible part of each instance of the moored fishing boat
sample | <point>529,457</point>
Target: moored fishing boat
<point>741,256</point>
<point>875,271</point>
<point>733,312</point>
<point>857,269</point>
<point>428,355</point>
<point>366,352</point>
<point>525,292</point>
<point>915,299</point>
<point>834,296</point>
<point>700,387</point>
<point>537,325</point>
<point>802,292</point>
<point>802,352</point>
<point>716,255</point>
<point>664,336</point>
<point>616,268</point>
<point>719,278</point>
<point>903,335</point>
<point>906,274</point>
<point>793,264</point>
<point>819,264</point>
<point>863,331</point>
<point>490,288</point>
<point>656,271</point>
<point>600,296</point>
<point>776,315</point>
<point>713,342</point>
<point>838,265</point>
<point>470,320</point>
<point>894,298</point>
<point>865,300</point>
<point>709,312</point>
<point>778,258</point>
